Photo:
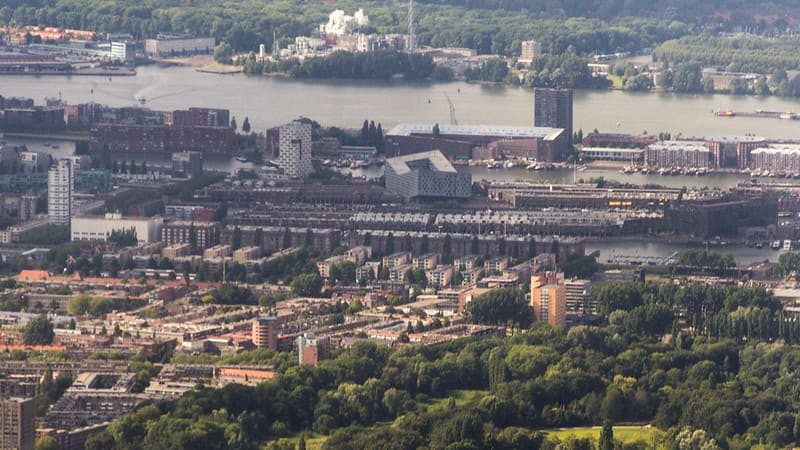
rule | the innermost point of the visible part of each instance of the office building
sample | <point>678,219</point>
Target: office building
<point>549,301</point>
<point>579,297</point>
<point>18,423</point>
<point>60,183</point>
<point>553,108</point>
<point>530,51</point>
<point>312,349</point>
<point>265,332</point>
<point>295,149</point>
<point>426,175</point>
<point>187,164</point>
<point>99,228</point>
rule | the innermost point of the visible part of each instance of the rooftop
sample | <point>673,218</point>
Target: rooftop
<point>777,149</point>
<point>437,161</point>
<point>407,129</point>
<point>679,145</point>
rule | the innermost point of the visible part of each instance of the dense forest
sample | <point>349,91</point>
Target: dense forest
<point>377,65</point>
<point>245,25</point>
<point>734,54</point>
<point>700,389</point>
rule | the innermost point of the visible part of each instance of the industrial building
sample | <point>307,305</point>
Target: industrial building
<point>426,175</point>
<point>100,228</point>
<point>463,142</point>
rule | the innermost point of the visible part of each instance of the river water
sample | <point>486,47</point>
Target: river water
<point>269,101</point>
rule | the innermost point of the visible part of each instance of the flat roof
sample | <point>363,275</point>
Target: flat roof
<point>777,149</point>
<point>437,160</point>
<point>735,139</point>
<point>679,145</point>
<point>612,150</point>
<point>407,129</point>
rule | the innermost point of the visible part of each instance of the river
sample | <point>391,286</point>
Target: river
<point>270,101</point>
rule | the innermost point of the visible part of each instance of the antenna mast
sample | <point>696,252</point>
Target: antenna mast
<point>411,37</point>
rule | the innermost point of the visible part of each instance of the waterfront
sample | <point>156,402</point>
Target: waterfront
<point>270,101</point>
<point>641,249</point>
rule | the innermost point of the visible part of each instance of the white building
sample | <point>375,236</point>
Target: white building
<point>87,228</point>
<point>60,183</point>
<point>530,51</point>
<point>295,149</point>
<point>166,45</point>
<point>123,51</point>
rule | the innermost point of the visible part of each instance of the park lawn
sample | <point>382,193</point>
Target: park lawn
<point>313,441</point>
<point>625,433</point>
<point>461,396</point>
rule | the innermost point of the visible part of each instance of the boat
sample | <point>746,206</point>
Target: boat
<point>494,165</point>
<point>55,145</point>
<point>788,116</point>
<point>510,164</point>
<point>241,159</point>
<point>725,113</point>
<point>533,166</point>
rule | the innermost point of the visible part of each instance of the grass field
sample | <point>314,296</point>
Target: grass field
<point>461,397</point>
<point>624,433</point>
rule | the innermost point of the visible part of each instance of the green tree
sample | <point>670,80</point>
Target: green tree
<point>38,331</point>
<point>223,53</point>
<point>500,307</point>
<point>606,437</point>
<point>47,443</point>
<point>307,285</point>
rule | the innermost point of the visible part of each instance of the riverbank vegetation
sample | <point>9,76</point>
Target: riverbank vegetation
<point>659,358</point>
<point>377,65</point>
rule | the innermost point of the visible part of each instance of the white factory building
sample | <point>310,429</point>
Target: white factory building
<point>99,228</point>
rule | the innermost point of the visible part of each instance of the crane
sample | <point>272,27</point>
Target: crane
<point>453,120</point>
